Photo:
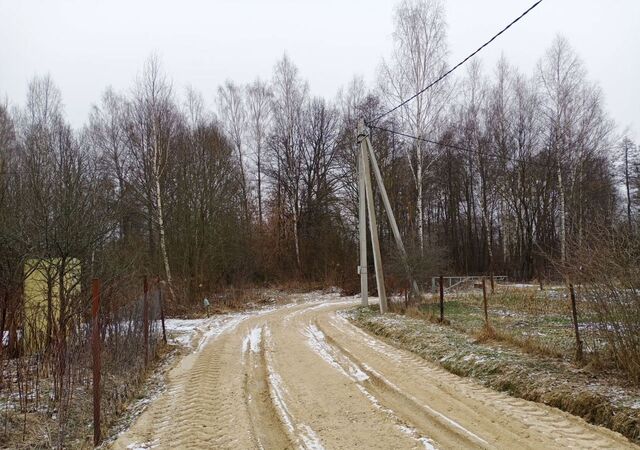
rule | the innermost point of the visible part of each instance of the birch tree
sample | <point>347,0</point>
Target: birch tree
<point>289,98</point>
<point>419,57</point>
<point>151,127</point>
<point>233,116</point>
<point>258,100</point>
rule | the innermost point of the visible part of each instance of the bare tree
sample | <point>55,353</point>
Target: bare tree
<point>630,160</point>
<point>233,115</point>
<point>575,125</point>
<point>259,98</point>
<point>151,126</point>
<point>289,99</point>
<point>107,135</point>
<point>418,59</point>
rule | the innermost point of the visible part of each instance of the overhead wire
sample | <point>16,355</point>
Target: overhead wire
<point>465,149</point>
<point>448,72</point>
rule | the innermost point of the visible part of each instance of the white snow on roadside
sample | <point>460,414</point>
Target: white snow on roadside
<point>427,443</point>
<point>342,323</point>
<point>183,331</point>
<point>319,304</point>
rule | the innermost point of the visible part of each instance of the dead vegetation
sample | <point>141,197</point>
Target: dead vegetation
<point>46,394</point>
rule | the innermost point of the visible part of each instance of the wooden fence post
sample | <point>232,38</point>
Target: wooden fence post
<point>484,299</point>
<point>574,314</point>
<point>145,321</point>
<point>161,298</point>
<point>95,348</point>
<point>441,298</point>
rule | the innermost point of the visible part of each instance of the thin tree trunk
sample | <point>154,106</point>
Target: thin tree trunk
<point>259,164</point>
<point>419,201</point>
<point>563,237</point>
<point>163,243</point>
<point>626,182</point>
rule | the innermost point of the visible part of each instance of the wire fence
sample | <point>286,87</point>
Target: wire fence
<point>48,369</point>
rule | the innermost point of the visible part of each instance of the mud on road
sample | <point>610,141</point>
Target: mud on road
<point>301,376</point>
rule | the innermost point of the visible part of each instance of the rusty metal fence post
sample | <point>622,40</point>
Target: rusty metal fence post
<point>574,316</point>
<point>95,348</point>
<point>161,299</point>
<point>493,284</point>
<point>145,321</point>
<point>484,299</point>
<point>441,298</point>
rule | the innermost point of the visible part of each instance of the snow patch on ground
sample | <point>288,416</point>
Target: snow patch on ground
<point>184,332</point>
<point>252,341</point>
<point>143,445</point>
<point>316,340</point>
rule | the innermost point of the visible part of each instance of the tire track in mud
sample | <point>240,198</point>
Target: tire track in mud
<point>259,381</point>
<point>432,428</point>
<point>266,427</point>
<point>539,423</point>
<point>302,434</point>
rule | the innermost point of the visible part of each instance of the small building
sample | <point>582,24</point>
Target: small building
<point>42,297</point>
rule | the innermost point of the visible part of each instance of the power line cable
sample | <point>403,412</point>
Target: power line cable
<point>464,149</point>
<point>448,72</point>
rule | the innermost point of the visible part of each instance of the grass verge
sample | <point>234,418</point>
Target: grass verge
<point>600,398</point>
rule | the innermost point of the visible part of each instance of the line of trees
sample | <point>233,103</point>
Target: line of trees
<point>263,189</point>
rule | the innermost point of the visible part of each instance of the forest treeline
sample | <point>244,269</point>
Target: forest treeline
<point>509,167</point>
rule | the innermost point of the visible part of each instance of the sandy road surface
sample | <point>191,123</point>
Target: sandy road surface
<point>301,376</point>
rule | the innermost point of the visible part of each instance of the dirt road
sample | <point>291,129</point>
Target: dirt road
<point>301,376</point>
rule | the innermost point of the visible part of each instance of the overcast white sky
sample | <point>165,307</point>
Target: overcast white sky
<point>87,45</point>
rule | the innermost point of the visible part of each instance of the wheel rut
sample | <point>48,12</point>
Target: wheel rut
<point>266,427</point>
<point>302,376</point>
